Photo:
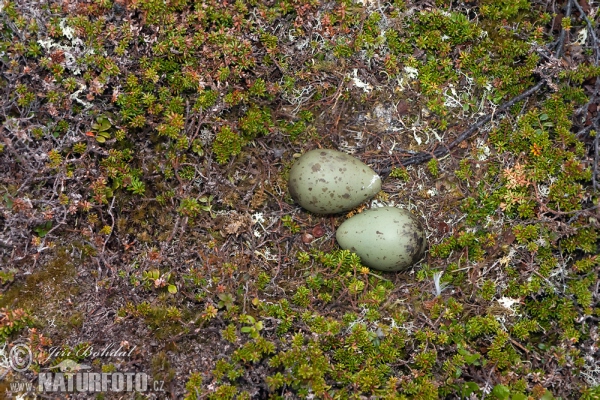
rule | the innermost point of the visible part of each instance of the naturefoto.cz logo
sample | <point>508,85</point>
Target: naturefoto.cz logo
<point>70,376</point>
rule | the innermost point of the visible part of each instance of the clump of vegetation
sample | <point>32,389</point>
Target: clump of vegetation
<point>144,153</point>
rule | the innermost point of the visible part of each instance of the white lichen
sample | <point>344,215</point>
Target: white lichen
<point>366,87</point>
<point>508,303</point>
<point>411,73</point>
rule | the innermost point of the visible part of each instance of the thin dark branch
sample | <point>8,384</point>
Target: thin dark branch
<point>422,157</point>
<point>590,30</point>
<point>595,124</point>
<point>595,167</point>
<point>563,32</point>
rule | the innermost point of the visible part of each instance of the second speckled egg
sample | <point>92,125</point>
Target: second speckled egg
<point>386,238</point>
<point>328,181</point>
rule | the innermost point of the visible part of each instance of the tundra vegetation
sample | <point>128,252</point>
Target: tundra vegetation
<point>144,153</point>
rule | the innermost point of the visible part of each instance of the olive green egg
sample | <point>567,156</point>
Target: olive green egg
<point>386,238</point>
<point>328,181</point>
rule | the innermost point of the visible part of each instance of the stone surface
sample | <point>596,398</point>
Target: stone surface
<point>386,238</point>
<point>328,181</point>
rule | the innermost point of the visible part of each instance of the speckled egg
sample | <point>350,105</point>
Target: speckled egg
<point>329,181</point>
<point>386,238</point>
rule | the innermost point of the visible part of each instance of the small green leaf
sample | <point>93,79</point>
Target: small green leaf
<point>500,392</point>
<point>42,230</point>
<point>100,139</point>
<point>172,289</point>
<point>103,124</point>
<point>470,359</point>
<point>470,388</point>
<point>8,201</point>
<point>547,395</point>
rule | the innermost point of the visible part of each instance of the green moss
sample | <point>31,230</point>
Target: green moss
<point>53,279</point>
<point>164,321</point>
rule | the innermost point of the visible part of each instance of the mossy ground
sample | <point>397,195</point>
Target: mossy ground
<point>144,153</point>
